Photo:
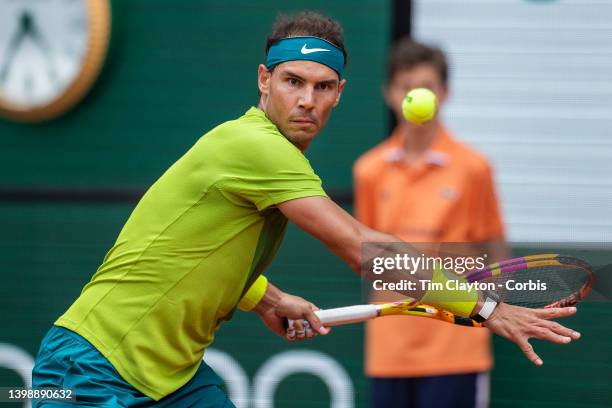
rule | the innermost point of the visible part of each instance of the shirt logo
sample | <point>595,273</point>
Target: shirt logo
<point>449,193</point>
<point>306,50</point>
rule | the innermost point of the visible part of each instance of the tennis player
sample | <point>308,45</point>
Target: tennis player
<point>195,245</point>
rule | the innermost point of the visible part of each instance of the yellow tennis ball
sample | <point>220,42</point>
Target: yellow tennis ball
<point>419,106</point>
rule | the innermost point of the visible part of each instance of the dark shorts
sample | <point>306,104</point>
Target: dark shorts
<point>444,391</point>
<point>68,361</point>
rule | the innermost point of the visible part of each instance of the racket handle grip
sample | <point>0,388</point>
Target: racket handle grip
<point>344,315</point>
<point>347,315</point>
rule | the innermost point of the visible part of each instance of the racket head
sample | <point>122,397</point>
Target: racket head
<point>549,280</point>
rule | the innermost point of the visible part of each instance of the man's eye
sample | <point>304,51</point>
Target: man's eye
<point>293,81</point>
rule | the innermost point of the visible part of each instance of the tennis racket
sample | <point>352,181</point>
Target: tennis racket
<point>568,280</point>
<point>359,313</point>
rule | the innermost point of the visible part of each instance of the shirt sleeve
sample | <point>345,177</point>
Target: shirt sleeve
<point>364,195</point>
<point>270,171</point>
<point>488,225</point>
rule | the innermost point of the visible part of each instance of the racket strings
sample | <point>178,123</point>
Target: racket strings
<point>540,286</point>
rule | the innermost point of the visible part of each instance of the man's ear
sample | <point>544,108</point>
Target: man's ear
<point>263,79</point>
<point>385,92</point>
<point>443,96</point>
<point>340,89</point>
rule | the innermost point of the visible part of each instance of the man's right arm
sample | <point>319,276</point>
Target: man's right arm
<point>343,235</point>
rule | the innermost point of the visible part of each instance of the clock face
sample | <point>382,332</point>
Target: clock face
<point>45,46</point>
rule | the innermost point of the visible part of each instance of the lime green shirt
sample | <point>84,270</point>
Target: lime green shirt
<point>194,243</point>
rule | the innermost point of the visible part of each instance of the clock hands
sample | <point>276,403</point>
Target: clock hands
<point>44,46</point>
<point>27,27</point>
<point>13,45</point>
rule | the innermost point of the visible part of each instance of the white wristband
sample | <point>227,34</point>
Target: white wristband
<point>488,308</point>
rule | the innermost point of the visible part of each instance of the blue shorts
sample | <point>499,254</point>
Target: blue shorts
<point>66,360</point>
<point>442,391</point>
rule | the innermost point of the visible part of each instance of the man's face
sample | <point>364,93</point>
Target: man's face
<point>421,76</point>
<point>298,97</point>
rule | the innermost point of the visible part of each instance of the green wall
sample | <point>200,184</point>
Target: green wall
<point>179,68</point>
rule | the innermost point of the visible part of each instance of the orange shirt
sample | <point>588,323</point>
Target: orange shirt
<point>447,196</point>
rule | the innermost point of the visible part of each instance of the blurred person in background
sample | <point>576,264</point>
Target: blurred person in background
<point>424,186</point>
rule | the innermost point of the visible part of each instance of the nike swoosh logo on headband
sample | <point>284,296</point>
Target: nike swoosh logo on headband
<point>306,50</point>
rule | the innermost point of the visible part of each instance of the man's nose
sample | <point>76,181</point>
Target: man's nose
<point>307,98</point>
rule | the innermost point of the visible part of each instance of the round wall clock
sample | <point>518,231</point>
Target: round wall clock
<point>51,52</point>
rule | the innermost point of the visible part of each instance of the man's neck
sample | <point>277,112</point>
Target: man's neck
<point>302,147</point>
<point>417,139</point>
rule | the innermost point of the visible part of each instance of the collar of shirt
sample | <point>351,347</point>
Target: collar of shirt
<point>435,155</point>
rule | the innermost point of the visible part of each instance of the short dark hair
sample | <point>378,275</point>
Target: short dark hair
<point>307,23</point>
<point>407,53</point>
